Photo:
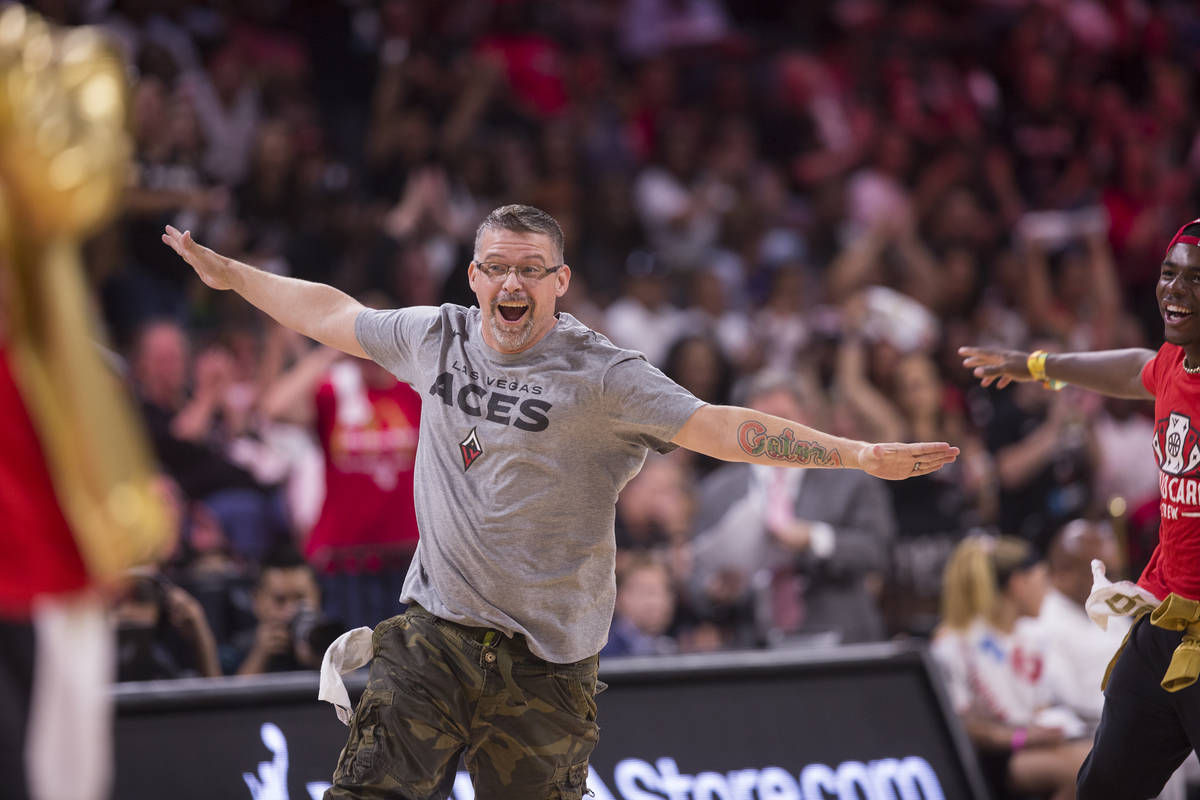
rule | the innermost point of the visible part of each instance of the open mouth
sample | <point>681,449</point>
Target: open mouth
<point>1175,314</point>
<point>512,310</point>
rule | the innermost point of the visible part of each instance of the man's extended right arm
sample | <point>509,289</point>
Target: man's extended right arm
<point>318,311</point>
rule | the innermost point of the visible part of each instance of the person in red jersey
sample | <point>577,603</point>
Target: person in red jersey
<point>1151,717</point>
<point>38,556</point>
<point>77,492</point>
<point>364,537</point>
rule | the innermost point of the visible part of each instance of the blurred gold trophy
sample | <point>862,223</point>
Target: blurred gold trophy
<point>64,158</point>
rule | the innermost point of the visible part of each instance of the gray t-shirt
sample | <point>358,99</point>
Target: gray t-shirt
<point>519,461</point>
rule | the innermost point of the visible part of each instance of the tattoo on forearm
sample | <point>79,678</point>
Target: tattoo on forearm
<point>753,439</point>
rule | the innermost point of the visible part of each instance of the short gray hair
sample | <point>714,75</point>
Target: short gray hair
<point>522,219</point>
<point>769,381</point>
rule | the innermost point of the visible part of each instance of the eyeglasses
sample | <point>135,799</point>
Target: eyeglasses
<point>526,273</point>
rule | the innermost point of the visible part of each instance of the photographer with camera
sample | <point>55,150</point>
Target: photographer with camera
<point>287,610</point>
<point>162,632</point>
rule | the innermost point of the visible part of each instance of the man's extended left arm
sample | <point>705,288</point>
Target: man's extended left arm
<point>732,433</point>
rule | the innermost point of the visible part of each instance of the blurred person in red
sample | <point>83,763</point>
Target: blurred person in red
<point>366,532</point>
<point>76,489</point>
<point>1151,716</point>
<point>533,63</point>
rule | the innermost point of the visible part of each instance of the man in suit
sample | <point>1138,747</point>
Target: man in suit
<point>801,547</point>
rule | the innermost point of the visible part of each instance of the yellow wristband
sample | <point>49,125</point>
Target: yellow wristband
<point>1036,364</point>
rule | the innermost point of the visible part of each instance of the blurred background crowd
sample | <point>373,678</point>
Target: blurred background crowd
<point>802,207</point>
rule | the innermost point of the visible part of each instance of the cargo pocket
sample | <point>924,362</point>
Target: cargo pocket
<point>359,756</point>
<point>579,696</point>
<point>569,782</point>
<point>386,627</point>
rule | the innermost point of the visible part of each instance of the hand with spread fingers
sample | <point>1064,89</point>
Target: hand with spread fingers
<point>992,365</point>
<point>897,461</point>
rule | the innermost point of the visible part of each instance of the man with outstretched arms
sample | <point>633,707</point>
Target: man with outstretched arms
<point>1151,716</point>
<point>530,425</point>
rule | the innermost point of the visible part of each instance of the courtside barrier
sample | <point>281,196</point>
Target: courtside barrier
<point>867,722</point>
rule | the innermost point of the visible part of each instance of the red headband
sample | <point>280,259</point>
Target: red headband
<point>1179,238</point>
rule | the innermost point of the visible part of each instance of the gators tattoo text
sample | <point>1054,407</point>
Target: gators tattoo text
<point>753,439</point>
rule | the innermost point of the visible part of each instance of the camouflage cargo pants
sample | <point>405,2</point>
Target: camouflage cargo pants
<point>437,690</point>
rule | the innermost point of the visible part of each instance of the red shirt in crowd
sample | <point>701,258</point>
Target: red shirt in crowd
<point>1175,564</point>
<point>369,457</point>
<point>38,554</point>
<point>535,69</point>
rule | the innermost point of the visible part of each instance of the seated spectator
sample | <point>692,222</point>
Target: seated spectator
<point>696,362</point>
<point>779,329</point>
<point>645,608</point>
<point>654,511</point>
<point>812,541</point>
<point>994,664</point>
<point>1079,652</point>
<point>185,433</point>
<point>203,565</point>
<point>643,317</point>
<point>162,633</point>
<point>712,310</point>
<point>289,633</point>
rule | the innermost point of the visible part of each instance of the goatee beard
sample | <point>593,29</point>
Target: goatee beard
<point>508,338</point>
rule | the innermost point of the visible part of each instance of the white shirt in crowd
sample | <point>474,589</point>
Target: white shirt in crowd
<point>1002,676</point>
<point>1078,653</point>
<point>650,331</point>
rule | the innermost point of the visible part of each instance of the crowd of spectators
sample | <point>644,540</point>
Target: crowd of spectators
<point>804,205</point>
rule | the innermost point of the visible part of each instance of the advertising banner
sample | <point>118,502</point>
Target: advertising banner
<point>861,723</point>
